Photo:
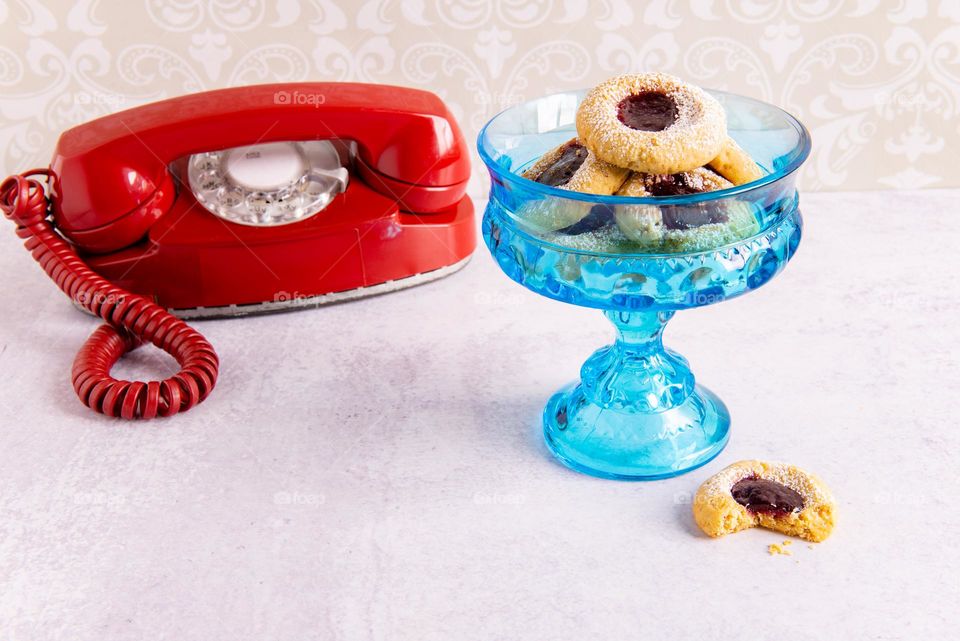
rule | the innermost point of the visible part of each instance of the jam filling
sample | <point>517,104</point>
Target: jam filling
<point>685,216</point>
<point>672,185</point>
<point>692,216</point>
<point>565,166</point>
<point>600,216</point>
<point>647,111</point>
<point>761,495</point>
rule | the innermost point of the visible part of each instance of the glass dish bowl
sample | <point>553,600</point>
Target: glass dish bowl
<point>637,411</point>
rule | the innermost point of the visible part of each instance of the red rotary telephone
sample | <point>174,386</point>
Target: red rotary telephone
<point>239,201</point>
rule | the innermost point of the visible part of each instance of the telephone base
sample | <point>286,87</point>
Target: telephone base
<point>296,302</point>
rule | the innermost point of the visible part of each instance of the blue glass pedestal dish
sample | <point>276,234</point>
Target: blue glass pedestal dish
<point>637,411</point>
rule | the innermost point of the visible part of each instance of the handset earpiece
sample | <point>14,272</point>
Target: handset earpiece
<point>117,211</point>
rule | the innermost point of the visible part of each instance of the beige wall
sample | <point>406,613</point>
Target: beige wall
<point>878,83</point>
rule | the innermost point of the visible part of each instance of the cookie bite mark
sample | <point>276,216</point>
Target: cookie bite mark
<point>562,169</point>
<point>647,111</point>
<point>762,495</point>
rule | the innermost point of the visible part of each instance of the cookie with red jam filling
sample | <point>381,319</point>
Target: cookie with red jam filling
<point>652,123</point>
<point>573,167</point>
<point>775,496</point>
<point>683,227</point>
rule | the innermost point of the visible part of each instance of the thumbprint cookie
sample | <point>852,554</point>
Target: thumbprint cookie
<point>570,166</point>
<point>683,227</point>
<point>652,123</point>
<point>574,167</point>
<point>775,496</point>
<point>734,164</point>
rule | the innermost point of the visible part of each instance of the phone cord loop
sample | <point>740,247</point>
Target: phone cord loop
<point>131,320</point>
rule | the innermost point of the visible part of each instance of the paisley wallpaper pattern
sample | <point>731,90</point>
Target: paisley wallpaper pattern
<point>878,83</point>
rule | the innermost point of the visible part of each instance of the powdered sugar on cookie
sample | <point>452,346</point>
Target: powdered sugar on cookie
<point>652,123</point>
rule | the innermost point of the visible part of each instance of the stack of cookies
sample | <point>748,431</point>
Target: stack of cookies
<point>648,135</point>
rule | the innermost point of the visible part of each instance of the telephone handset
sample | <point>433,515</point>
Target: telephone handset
<point>239,201</point>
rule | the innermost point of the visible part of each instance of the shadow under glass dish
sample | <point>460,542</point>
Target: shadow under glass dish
<point>637,411</point>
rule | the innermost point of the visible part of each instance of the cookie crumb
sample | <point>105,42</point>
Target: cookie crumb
<point>810,546</point>
<point>788,542</point>
<point>774,549</point>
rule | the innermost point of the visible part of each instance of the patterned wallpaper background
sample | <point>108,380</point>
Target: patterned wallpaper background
<point>878,83</point>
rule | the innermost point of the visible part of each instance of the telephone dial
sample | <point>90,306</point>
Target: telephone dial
<point>239,201</point>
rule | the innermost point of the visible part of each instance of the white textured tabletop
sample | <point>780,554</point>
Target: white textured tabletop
<point>375,470</point>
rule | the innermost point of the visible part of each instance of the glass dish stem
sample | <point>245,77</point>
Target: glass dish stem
<point>636,373</point>
<point>637,412</point>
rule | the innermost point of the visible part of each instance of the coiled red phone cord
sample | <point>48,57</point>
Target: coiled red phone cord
<point>131,320</point>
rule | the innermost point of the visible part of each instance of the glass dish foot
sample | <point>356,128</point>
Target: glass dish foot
<point>637,412</point>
